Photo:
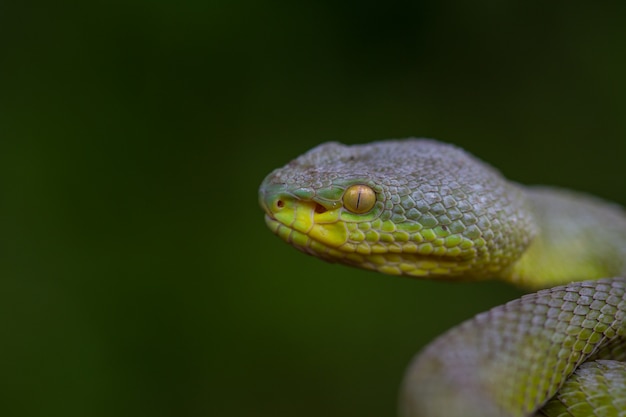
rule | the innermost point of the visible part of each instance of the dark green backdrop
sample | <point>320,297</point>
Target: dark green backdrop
<point>137,276</point>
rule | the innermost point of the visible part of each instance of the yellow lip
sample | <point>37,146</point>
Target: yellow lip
<point>302,221</point>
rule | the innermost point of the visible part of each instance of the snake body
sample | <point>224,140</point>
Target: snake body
<point>426,209</point>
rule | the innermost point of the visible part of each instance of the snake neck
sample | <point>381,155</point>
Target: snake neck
<point>580,238</point>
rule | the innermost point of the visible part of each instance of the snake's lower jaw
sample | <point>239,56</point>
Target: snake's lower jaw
<point>328,242</point>
<point>323,240</point>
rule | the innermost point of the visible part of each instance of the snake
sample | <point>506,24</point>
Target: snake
<point>430,210</point>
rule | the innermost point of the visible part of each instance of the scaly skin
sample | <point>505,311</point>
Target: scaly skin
<point>430,210</point>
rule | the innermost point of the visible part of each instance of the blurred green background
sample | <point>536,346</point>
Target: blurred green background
<point>137,275</point>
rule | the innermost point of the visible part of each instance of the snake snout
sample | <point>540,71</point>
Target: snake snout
<point>272,198</point>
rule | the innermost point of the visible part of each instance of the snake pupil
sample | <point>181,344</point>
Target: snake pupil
<point>359,198</point>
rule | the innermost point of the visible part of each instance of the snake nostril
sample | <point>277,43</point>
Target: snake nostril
<point>319,209</point>
<point>280,204</point>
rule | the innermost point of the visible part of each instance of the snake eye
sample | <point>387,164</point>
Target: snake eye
<point>359,198</point>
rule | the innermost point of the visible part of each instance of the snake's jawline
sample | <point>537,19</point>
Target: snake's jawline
<point>425,266</point>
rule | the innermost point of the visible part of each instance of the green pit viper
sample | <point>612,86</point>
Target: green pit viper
<point>425,209</point>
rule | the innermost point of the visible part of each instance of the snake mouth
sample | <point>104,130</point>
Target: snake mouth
<point>304,242</point>
<point>300,229</point>
<point>391,261</point>
<point>290,235</point>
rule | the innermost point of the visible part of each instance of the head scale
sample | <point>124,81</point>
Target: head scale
<point>404,207</point>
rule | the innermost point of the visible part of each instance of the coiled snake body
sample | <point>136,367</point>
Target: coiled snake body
<point>425,209</point>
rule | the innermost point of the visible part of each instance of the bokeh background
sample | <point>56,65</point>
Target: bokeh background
<point>137,277</point>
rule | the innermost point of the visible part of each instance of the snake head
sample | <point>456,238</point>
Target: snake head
<point>410,207</point>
